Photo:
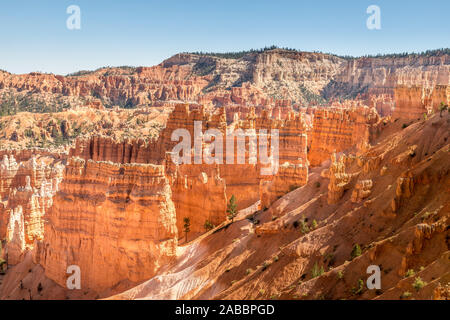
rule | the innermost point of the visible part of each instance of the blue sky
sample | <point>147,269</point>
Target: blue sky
<point>34,36</point>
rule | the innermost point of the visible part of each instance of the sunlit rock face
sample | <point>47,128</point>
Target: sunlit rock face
<point>338,129</point>
<point>115,221</point>
<point>200,190</point>
<point>414,102</point>
<point>28,188</point>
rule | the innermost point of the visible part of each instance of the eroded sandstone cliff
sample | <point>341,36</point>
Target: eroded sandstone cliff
<point>85,184</point>
<point>115,221</point>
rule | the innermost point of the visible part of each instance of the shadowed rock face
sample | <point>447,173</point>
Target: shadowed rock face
<point>103,193</point>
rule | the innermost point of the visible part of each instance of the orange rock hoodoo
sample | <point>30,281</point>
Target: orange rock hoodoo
<point>27,189</point>
<point>340,129</point>
<point>115,221</point>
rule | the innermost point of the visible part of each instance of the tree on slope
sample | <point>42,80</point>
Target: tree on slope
<point>231,208</point>
<point>187,227</point>
<point>442,108</point>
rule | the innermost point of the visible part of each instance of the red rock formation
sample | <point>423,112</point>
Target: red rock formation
<point>362,190</point>
<point>337,129</point>
<point>199,193</point>
<point>289,177</point>
<point>279,256</point>
<point>115,221</point>
<point>190,181</point>
<point>139,86</point>
<point>386,73</point>
<point>413,102</point>
<point>339,179</point>
<point>27,191</point>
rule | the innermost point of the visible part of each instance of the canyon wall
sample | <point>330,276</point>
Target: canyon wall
<point>116,86</point>
<point>360,75</point>
<point>115,221</point>
<point>26,191</point>
<point>265,79</point>
<point>190,182</point>
<point>338,129</point>
<point>115,207</point>
<point>413,102</point>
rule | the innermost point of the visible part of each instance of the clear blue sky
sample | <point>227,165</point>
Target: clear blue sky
<point>34,36</point>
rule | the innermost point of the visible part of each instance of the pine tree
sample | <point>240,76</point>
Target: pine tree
<point>187,227</point>
<point>231,208</point>
<point>208,225</point>
<point>442,108</point>
<point>2,262</point>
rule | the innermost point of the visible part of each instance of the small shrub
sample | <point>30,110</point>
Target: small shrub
<point>233,282</point>
<point>340,274</point>
<point>28,133</point>
<point>316,271</point>
<point>265,265</point>
<point>406,295</point>
<point>303,226</point>
<point>356,251</point>
<point>409,273</point>
<point>248,271</point>
<point>359,287</point>
<point>419,284</point>
<point>314,224</point>
<point>208,225</point>
<point>317,184</point>
<point>275,259</point>
<point>404,126</point>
